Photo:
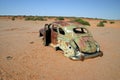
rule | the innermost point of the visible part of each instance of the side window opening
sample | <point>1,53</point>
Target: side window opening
<point>55,29</point>
<point>61,31</point>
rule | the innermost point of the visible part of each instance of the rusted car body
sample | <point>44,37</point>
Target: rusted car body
<point>76,42</point>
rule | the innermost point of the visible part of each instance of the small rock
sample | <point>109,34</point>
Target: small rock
<point>31,42</point>
<point>9,57</point>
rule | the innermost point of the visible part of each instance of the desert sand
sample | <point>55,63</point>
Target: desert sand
<point>24,57</point>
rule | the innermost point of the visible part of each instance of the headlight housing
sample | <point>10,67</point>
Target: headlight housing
<point>98,47</point>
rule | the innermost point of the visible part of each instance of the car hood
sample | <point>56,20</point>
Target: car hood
<point>86,44</point>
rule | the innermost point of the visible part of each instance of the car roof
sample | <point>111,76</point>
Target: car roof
<point>61,23</point>
<point>67,24</point>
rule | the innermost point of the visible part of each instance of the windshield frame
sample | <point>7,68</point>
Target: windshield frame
<point>80,30</point>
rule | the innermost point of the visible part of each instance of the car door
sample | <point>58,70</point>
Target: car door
<point>54,34</point>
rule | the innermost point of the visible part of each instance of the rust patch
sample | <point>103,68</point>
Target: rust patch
<point>62,23</point>
<point>54,35</point>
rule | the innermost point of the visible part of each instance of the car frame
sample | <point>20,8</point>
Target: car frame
<point>75,40</point>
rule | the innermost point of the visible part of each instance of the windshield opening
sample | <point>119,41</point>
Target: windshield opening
<point>80,30</point>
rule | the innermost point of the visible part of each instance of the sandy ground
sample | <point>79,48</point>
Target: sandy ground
<point>23,56</point>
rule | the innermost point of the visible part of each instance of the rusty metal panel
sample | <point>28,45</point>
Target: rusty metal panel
<point>53,35</point>
<point>61,23</point>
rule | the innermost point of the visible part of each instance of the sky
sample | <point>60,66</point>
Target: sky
<point>106,9</point>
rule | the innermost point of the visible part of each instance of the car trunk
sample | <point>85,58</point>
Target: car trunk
<point>86,44</point>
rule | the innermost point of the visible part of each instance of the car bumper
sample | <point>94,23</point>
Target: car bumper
<point>86,56</point>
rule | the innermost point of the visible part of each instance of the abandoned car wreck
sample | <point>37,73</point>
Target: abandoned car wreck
<point>76,42</point>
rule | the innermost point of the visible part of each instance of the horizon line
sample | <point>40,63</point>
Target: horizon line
<point>60,16</point>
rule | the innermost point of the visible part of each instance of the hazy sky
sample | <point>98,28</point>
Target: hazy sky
<point>108,9</point>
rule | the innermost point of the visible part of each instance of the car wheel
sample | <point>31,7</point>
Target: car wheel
<point>56,48</point>
<point>101,54</point>
<point>82,58</point>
